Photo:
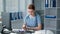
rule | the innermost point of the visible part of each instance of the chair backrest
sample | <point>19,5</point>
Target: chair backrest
<point>6,19</point>
<point>41,13</point>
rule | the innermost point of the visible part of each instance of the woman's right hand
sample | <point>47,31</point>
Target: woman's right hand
<point>24,27</point>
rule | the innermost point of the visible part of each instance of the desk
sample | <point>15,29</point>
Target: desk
<point>18,31</point>
<point>21,31</point>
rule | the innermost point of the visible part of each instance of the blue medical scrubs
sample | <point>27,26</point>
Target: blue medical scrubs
<point>34,22</point>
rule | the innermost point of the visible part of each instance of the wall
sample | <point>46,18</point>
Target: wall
<point>39,4</point>
<point>1,7</point>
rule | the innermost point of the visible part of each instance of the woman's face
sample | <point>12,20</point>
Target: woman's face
<point>30,11</point>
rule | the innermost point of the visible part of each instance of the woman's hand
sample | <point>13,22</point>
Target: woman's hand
<point>24,27</point>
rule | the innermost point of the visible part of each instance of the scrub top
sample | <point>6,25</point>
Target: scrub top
<point>32,21</point>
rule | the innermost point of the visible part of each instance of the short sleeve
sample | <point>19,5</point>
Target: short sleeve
<point>38,19</point>
<point>25,20</point>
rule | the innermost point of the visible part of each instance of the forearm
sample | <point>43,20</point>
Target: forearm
<point>30,28</point>
<point>33,28</point>
<point>39,27</point>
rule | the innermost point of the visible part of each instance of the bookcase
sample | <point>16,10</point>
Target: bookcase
<point>52,18</point>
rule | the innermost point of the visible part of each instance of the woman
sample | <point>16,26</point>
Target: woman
<point>33,20</point>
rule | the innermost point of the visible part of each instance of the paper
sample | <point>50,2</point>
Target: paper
<point>18,30</point>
